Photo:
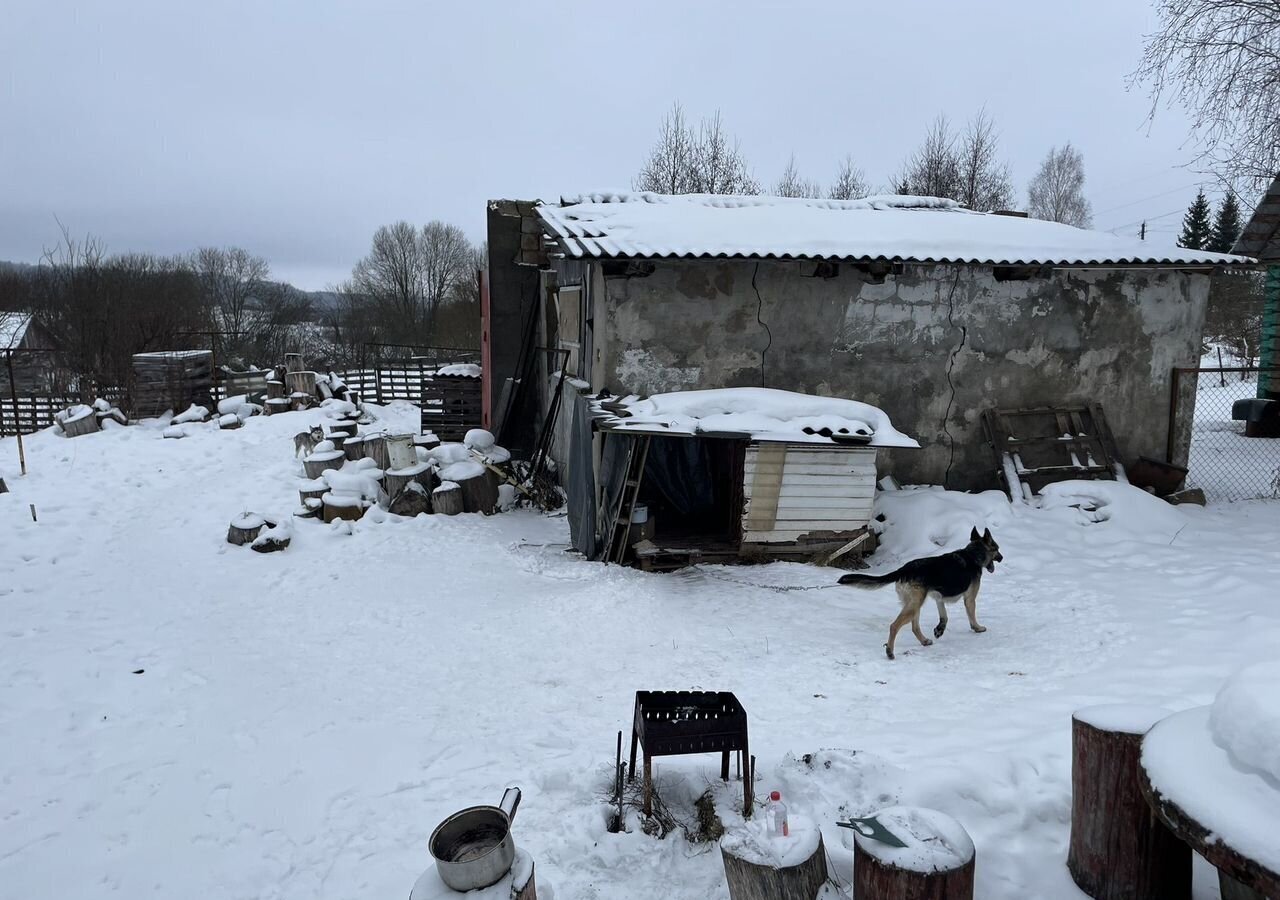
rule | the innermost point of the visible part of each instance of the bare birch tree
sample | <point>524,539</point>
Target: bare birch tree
<point>933,170</point>
<point>391,276</point>
<point>1220,59</point>
<point>850,182</point>
<point>1056,193</point>
<point>706,161</point>
<point>446,256</point>
<point>984,180</point>
<point>792,185</point>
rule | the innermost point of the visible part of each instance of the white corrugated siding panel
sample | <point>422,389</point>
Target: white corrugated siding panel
<point>795,489</point>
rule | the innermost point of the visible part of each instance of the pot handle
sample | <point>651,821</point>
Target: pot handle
<point>510,802</point>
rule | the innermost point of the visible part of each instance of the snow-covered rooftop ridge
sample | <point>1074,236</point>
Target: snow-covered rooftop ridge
<point>13,328</point>
<point>762,414</point>
<point>889,227</point>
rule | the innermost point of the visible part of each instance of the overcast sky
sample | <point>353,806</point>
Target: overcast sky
<point>295,128</point>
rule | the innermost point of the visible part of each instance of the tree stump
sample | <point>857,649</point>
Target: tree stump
<point>936,864</point>
<point>399,479</point>
<point>375,448</point>
<point>344,426</point>
<point>317,464</point>
<point>353,447</point>
<point>78,421</point>
<point>275,389</point>
<point>273,539</point>
<point>414,500</point>
<point>301,383</point>
<point>276,405</point>
<point>1119,848</point>
<point>342,506</point>
<point>446,500</point>
<point>245,528</point>
<point>312,489</point>
<point>518,884</point>
<point>479,491</point>
<point>760,867</point>
<point>338,439</point>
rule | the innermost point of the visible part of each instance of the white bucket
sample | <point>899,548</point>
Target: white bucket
<point>640,514</point>
<point>400,451</point>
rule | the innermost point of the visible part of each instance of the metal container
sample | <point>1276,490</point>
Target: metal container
<point>400,451</point>
<point>473,847</point>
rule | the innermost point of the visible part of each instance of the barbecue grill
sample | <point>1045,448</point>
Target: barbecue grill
<point>676,723</point>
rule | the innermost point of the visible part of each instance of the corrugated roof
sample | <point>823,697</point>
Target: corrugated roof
<point>13,328</point>
<point>890,228</point>
<point>1261,236</point>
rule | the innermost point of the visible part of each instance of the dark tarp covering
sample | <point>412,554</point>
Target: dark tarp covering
<point>680,469</point>
<point>581,485</point>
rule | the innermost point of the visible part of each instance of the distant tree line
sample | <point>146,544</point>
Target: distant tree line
<point>963,165</point>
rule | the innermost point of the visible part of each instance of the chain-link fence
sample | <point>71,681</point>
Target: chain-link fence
<point>1223,460</point>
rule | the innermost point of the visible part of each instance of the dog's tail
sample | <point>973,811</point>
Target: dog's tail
<point>855,579</point>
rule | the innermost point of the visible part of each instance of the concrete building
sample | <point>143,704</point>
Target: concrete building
<point>926,310</point>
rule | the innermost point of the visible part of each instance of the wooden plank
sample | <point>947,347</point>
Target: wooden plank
<point>793,503</point>
<point>821,486</point>
<point>784,535</point>
<point>760,514</point>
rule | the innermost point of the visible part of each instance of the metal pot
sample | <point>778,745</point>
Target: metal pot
<point>473,848</point>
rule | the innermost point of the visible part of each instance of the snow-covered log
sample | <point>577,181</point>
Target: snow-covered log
<point>375,448</point>
<point>245,528</point>
<point>399,479</point>
<point>78,420</point>
<point>446,500</point>
<point>276,405</point>
<point>1119,848</point>
<point>342,506</point>
<point>479,490</point>
<point>936,863</point>
<point>319,462</point>
<point>301,383</point>
<point>760,867</point>
<point>353,447</point>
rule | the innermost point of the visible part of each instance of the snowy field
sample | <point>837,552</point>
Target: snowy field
<point>302,720</point>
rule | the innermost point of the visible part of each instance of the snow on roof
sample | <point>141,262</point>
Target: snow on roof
<point>893,228</point>
<point>763,414</point>
<point>13,328</point>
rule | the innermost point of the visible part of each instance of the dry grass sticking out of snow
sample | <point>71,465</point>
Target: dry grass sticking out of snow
<point>303,719</point>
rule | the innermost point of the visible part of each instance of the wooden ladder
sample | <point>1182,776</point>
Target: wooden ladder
<point>630,494</point>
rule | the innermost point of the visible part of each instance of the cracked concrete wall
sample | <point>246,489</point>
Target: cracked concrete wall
<point>933,346</point>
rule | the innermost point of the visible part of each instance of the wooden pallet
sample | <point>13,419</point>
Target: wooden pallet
<point>1046,444</point>
<point>452,406</point>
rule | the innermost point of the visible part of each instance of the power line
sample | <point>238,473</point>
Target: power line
<point>1198,184</point>
<point>1175,212</point>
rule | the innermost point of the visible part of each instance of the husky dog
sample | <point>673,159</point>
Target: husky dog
<point>305,441</point>
<point>947,578</point>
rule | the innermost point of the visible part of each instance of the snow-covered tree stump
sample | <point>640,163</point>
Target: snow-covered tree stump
<point>1119,848</point>
<point>414,500</point>
<point>760,867</point>
<point>318,463</point>
<point>273,539</point>
<point>276,405</point>
<point>275,389</point>
<point>446,500</point>
<point>353,447</point>
<point>78,421</point>
<point>301,383</point>
<point>375,448</point>
<point>344,426</point>
<point>342,506</point>
<point>936,863</point>
<point>518,884</point>
<point>312,489</point>
<point>245,528</point>
<point>338,439</point>
<point>399,479</point>
<point>479,491</point>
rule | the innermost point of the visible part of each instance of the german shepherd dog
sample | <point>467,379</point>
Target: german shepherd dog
<point>947,578</point>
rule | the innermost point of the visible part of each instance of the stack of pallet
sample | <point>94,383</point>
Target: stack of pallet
<point>452,402</point>
<point>171,379</point>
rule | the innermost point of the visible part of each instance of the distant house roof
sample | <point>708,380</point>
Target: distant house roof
<point>1261,236</point>
<point>889,228</point>
<point>13,329</point>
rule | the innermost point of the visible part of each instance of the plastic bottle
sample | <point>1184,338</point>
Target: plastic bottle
<point>775,813</point>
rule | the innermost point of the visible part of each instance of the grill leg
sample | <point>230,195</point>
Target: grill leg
<point>635,739</point>
<point>724,766</point>
<point>648,785</point>
<point>748,787</point>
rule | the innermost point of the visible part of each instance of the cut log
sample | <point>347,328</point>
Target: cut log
<point>1119,848</point>
<point>301,383</point>
<point>479,490</point>
<point>399,479</point>
<point>245,528</point>
<point>344,426</point>
<point>317,464</point>
<point>760,867</point>
<point>936,863</point>
<point>519,883</point>
<point>342,506</point>
<point>277,405</point>
<point>312,489</point>
<point>78,421</point>
<point>273,540</point>
<point>353,447</point>
<point>338,439</point>
<point>301,400</point>
<point>275,389</point>
<point>414,500</point>
<point>446,500</point>
<point>375,448</point>
<point>293,362</point>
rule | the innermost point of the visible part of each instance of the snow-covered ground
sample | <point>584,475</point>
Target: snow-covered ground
<point>303,719</point>
<point>1225,463</point>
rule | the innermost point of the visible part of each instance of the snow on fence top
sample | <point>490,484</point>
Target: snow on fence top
<point>763,414</point>
<point>893,228</point>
